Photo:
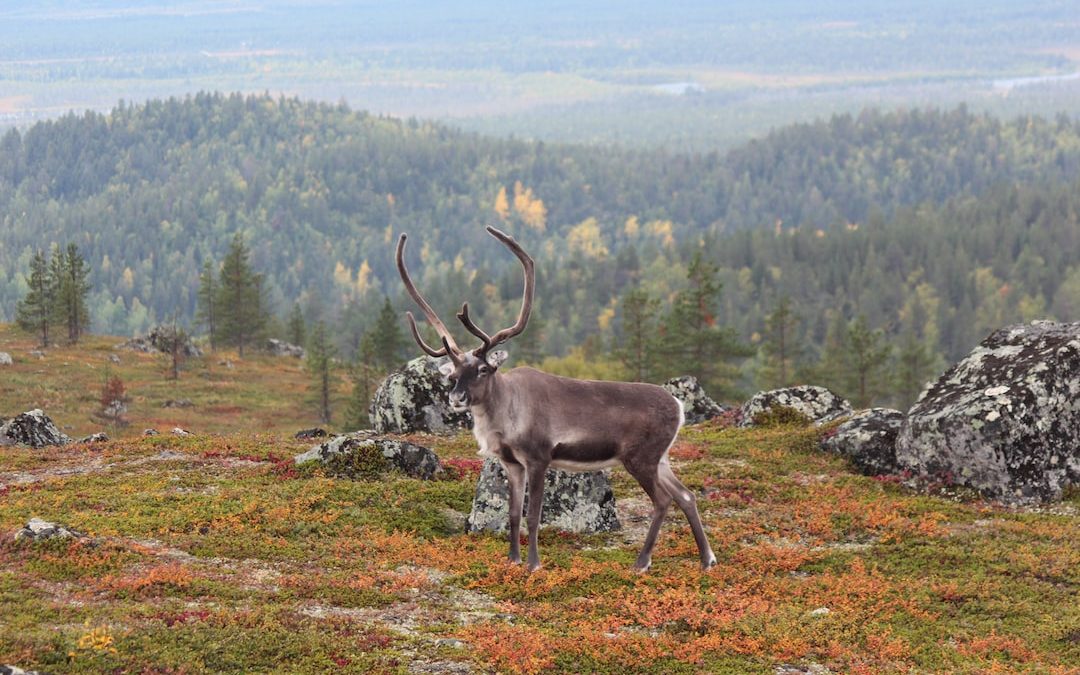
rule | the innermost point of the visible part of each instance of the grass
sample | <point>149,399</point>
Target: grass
<point>214,554</point>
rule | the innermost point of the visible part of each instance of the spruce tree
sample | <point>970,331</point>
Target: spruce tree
<point>387,339</point>
<point>869,354</point>
<point>240,298</point>
<point>295,328</point>
<point>364,374</point>
<point>35,312</point>
<point>693,342</point>
<point>637,346</point>
<point>72,289</point>
<point>779,349</point>
<point>207,311</point>
<point>320,355</point>
<point>914,365</point>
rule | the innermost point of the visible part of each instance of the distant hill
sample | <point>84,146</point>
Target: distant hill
<point>149,192</point>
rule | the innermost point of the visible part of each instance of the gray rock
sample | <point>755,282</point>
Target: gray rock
<point>114,358</point>
<point>868,440</point>
<point>307,434</point>
<point>282,348</point>
<point>1005,419</point>
<point>150,432</point>
<point>37,353</point>
<point>574,502</point>
<point>697,406</point>
<point>817,403</point>
<point>99,437</point>
<point>415,398</point>
<point>159,339</point>
<point>178,403</point>
<point>33,428</point>
<point>15,670</point>
<point>5,359</point>
<point>178,431</point>
<point>359,457</point>
<point>40,530</point>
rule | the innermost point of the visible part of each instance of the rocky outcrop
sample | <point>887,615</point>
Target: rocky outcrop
<point>868,440</point>
<point>359,457</point>
<point>5,359</point>
<point>282,348</point>
<point>817,403</point>
<point>697,406</point>
<point>160,339</point>
<point>574,502</point>
<point>40,530</point>
<point>33,428</point>
<point>415,398</point>
<point>1005,419</point>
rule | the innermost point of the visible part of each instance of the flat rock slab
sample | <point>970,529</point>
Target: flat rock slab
<point>1004,420</point>
<point>573,502</point>
<point>361,458</point>
<point>817,403</point>
<point>868,440</point>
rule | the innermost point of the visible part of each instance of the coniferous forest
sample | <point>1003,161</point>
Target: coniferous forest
<point>914,233</point>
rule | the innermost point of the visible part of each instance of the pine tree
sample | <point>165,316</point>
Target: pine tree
<point>693,343</point>
<point>779,349</point>
<point>35,312</point>
<point>240,298</point>
<point>637,347</point>
<point>295,328</point>
<point>387,339</point>
<point>206,313</point>
<point>320,355</point>
<point>72,289</point>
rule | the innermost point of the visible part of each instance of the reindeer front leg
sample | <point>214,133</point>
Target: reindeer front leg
<point>536,503</point>
<point>515,474</point>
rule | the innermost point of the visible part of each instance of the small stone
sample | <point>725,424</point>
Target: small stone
<point>39,530</point>
<point>282,348</point>
<point>450,642</point>
<point>150,432</point>
<point>5,359</point>
<point>15,670</point>
<point>99,437</point>
<point>114,358</point>
<point>177,431</point>
<point>820,611</point>
<point>178,403</point>
<point>306,434</point>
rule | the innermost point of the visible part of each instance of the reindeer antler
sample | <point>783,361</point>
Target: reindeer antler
<point>450,347</point>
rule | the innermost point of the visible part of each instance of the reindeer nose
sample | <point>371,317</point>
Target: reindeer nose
<point>457,398</point>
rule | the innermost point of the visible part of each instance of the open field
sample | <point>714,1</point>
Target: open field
<point>216,554</point>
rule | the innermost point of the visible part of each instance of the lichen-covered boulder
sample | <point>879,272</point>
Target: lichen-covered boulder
<point>697,406</point>
<point>818,404</point>
<point>40,530</point>
<point>574,502</point>
<point>282,348</point>
<point>868,440</point>
<point>416,398</point>
<point>359,457</point>
<point>1004,420</point>
<point>33,428</point>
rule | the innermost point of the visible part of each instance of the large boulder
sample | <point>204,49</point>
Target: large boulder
<point>868,440</point>
<point>359,457</point>
<point>282,348</point>
<point>1005,419</point>
<point>160,339</point>
<point>818,404</point>
<point>416,398</point>
<point>697,406</point>
<point>33,428</point>
<point>574,502</point>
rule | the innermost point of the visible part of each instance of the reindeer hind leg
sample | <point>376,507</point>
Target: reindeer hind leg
<point>686,501</point>
<point>648,479</point>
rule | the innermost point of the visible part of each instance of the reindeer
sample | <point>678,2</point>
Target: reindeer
<point>532,421</point>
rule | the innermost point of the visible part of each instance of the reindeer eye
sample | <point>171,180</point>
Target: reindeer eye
<point>484,370</point>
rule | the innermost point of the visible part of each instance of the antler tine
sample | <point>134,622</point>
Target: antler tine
<point>420,341</point>
<point>448,340</point>
<point>463,316</point>
<point>527,296</point>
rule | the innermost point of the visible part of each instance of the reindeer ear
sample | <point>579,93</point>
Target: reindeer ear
<point>497,358</point>
<point>446,368</point>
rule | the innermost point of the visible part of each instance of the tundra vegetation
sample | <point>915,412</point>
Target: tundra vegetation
<point>217,553</point>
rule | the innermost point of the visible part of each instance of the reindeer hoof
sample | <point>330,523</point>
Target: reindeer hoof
<point>534,566</point>
<point>711,562</point>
